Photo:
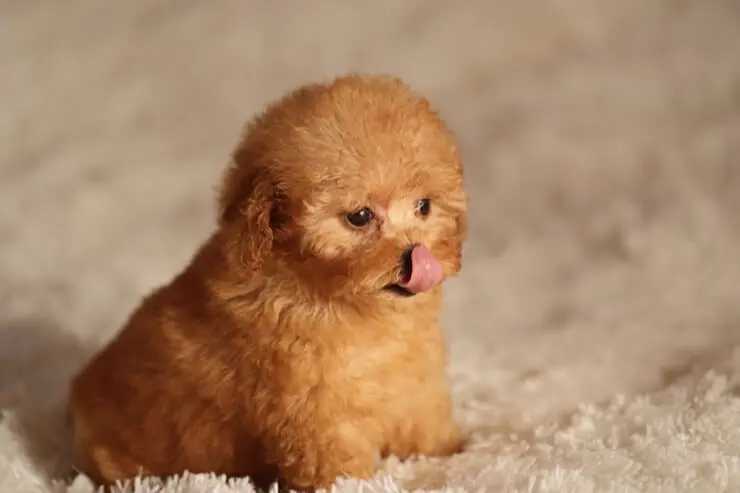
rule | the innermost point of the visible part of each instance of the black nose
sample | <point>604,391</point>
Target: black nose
<point>406,265</point>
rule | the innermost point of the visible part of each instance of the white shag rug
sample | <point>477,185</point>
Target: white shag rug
<point>595,329</point>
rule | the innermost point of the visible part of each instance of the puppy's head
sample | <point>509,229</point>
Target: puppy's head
<point>353,187</point>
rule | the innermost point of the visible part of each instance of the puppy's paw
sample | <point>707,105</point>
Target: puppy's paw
<point>433,438</point>
<point>443,440</point>
<point>316,464</point>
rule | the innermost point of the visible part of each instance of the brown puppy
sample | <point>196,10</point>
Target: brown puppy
<point>302,342</point>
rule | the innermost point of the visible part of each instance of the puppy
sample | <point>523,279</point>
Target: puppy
<point>302,342</point>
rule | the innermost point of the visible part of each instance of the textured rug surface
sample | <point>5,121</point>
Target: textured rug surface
<point>594,328</point>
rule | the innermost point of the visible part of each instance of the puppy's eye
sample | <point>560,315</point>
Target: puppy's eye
<point>423,207</point>
<point>361,218</point>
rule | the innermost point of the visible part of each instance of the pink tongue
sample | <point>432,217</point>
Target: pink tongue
<point>426,271</point>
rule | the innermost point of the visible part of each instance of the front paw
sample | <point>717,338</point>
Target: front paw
<point>309,476</point>
<point>442,442</point>
<point>318,464</point>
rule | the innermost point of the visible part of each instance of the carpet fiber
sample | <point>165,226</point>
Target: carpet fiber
<point>595,329</point>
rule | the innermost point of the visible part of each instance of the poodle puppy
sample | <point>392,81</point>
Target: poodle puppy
<point>302,341</point>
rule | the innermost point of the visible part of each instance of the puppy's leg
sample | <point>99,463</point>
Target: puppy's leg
<point>102,462</point>
<point>315,457</point>
<point>428,427</point>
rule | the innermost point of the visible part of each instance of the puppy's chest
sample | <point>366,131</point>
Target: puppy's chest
<point>370,365</point>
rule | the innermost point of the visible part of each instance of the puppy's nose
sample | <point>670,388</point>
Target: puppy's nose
<point>406,265</point>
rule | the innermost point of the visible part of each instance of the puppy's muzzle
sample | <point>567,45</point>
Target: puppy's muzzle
<point>420,270</point>
<point>405,266</point>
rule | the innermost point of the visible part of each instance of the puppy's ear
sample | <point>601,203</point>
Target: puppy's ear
<point>246,207</point>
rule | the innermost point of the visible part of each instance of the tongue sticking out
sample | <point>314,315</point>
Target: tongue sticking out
<point>425,271</point>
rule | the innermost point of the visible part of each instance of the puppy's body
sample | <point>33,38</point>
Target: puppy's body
<point>296,345</point>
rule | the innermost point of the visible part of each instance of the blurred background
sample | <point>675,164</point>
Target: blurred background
<point>601,141</point>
